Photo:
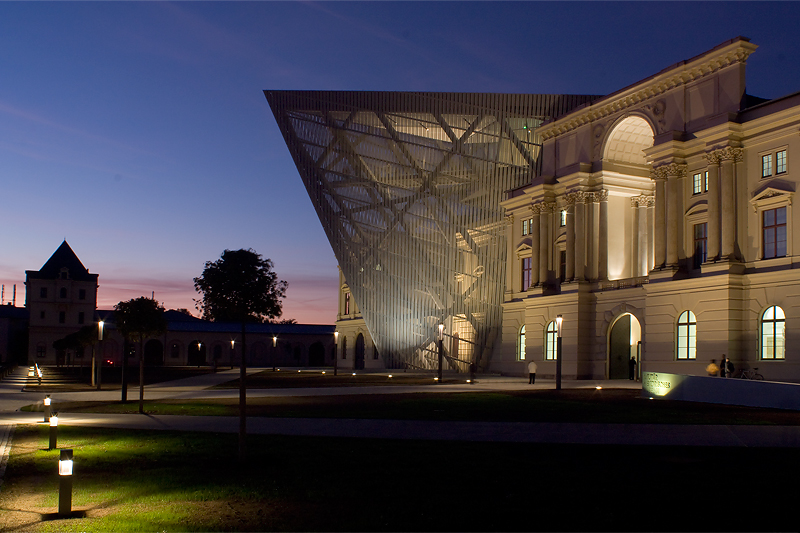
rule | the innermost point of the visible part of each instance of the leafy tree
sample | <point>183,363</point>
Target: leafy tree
<point>241,287</point>
<point>136,320</point>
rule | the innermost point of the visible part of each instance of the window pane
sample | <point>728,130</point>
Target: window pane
<point>697,182</point>
<point>780,162</point>
<point>766,166</point>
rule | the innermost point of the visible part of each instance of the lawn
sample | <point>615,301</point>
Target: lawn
<point>163,481</point>
<point>623,406</point>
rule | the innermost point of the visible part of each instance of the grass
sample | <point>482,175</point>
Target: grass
<point>163,481</point>
<point>621,406</point>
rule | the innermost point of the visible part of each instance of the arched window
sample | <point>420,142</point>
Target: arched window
<point>521,344</point>
<point>773,333</point>
<point>550,340</point>
<point>687,336</point>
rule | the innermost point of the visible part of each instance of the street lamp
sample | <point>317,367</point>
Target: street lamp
<point>558,352</point>
<point>274,347</point>
<point>47,402</point>
<point>441,350</point>
<point>100,326</point>
<point>335,352</point>
<point>65,482</point>
<point>230,359</point>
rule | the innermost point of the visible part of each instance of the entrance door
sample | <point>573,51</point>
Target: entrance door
<point>623,338</point>
<point>359,362</point>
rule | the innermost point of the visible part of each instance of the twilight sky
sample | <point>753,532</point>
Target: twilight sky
<point>139,131</point>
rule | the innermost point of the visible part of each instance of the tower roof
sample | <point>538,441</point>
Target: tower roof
<point>63,259</point>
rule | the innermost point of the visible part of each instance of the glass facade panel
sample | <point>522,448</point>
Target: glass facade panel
<point>408,188</point>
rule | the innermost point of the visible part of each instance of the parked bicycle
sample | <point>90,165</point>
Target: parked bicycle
<point>749,373</point>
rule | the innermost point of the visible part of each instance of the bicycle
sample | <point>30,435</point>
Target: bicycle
<point>750,373</point>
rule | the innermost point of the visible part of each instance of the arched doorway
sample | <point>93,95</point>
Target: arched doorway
<point>359,362</point>
<point>153,353</point>
<point>624,338</point>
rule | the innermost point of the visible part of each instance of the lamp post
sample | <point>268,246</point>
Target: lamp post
<point>441,350</point>
<point>230,359</point>
<point>53,432</point>
<point>100,326</point>
<point>65,482</point>
<point>558,352</point>
<point>47,402</point>
<point>335,352</point>
<point>274,347</point>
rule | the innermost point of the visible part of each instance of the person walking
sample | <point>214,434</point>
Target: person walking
<point>531,373</point>
<point>712,368</point>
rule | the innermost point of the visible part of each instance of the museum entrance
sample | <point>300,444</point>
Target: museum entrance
<point>624,338</point>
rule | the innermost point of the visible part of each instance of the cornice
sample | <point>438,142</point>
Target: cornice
<point>679,76</point>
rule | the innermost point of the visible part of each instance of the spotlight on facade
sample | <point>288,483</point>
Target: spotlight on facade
<point>65,482</point>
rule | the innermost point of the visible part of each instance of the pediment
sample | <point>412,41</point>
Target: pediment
<point>770,195</point>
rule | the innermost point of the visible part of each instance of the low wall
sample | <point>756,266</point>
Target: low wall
<point>731,391</point>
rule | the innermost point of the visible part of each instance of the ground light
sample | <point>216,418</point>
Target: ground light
<point>47,402</point>
<point>53,432</point>
<point>65,482</point>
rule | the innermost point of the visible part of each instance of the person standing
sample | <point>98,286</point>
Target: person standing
<point>723,367</point>
<point>531,373</point>
<point>632,368</point>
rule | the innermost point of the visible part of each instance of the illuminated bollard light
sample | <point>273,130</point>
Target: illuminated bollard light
<point>47,402</point>
<point>65,482</point>
<point>53,432</point>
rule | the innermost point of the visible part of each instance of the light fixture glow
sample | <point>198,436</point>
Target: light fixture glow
<point>54,421</point>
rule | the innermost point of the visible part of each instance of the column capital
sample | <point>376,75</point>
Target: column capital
<point>547,207</point>
<point>729,153</point>
<point>643,200</point>
<point>509,220</point>
<point>714,157</point>
<point>669,170</point>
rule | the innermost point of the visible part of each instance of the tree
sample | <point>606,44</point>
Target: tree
<point>138,319</point>
<point>240,287</point>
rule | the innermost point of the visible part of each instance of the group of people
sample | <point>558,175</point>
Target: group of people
<point>723,370</point>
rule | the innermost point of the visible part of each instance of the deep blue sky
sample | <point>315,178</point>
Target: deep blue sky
<point>139,131</point>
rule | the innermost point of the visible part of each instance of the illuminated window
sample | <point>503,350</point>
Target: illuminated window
<point>687,332</point>
<point>563,217</point>
<point>526,273</point>
<point>766,165</point>
<point>521,344</point>
<point>780,162</point>
<point>700,182</point>
<point>773,333</point>
<point>550,339</point>
<point>525,227</point>
<point>700,244</point>
<point>774,232</point>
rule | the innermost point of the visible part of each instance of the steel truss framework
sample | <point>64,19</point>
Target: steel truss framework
<point>408,188</point>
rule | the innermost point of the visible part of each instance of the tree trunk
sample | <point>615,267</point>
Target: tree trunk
<point>243,400</point>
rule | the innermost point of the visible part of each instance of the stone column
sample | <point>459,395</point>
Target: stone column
<point>714,159</point>
<point>729,156</point>
<point>580,235</point>
<point>570,207</point>
<point>512,264</point>
<point>672,173</point>
<point>602,245</point>
<point>545,242</point>
<point>651,202</point>
<point>659,222</point>
<point>535,222</point>
<point>642,262</point>
<point>636,238</point>
<point>592,230</point>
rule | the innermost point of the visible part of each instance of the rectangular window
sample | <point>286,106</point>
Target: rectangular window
<point>81,294</point>
<point>562,265</point>
<point>774,232</point>
<point>526,273</point>
<point>41,351</point>
<point>62,317</point>
<point>766,165</point>
<point>700,244</point>
<point>563,217</point>
<point>347,303</point>
<point>780,162</point>
<point>43,292</point>
<point>700,182</point>
<point>80,317</point>
<point>525,227</point>
<point>705,180</point>
<point>41,315</point>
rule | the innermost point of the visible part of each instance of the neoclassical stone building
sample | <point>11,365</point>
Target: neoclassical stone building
<point>660,228</point>
<point>656,221</point>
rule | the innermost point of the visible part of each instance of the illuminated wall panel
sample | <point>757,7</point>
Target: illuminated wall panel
<point>408,188</point>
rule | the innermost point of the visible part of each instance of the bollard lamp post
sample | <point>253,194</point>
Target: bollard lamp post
<point>274,347</point>
<point>65,482</point>
<point>100,326</point>
<point>558,352</point>
<point>53,432</point>
<point>47,402</point>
